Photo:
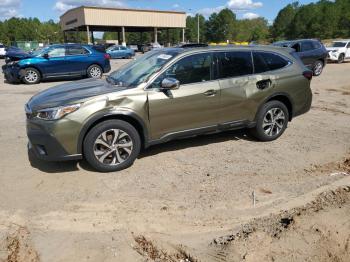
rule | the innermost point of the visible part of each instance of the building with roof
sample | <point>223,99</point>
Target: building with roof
<point>90,19</point>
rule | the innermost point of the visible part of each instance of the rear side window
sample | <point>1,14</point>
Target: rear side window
<point>234,64</point>
<point>76,50</point>
<point>264,61</point>
<point>307,46</point>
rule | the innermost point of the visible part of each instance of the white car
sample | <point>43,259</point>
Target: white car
<point>339,51</point>
<point>2,51</point>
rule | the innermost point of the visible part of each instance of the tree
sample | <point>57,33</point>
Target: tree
<point>221,26</point>
<point>281,26</point>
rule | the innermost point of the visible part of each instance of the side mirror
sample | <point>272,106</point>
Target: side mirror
<point>46,56</point>
<point>170,83</point>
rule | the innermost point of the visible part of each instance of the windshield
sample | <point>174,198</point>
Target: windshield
<point>338,44</point>
<point>40,51</point>
<point>139,70</point>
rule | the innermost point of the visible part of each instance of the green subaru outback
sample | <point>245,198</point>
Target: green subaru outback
<point>168,94</point>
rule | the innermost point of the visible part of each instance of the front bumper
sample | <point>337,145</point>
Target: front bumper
<point>12,73</point>
<point>45,146</point>
<point>333,56</point>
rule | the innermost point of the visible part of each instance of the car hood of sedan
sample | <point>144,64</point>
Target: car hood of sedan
<point>70,93</point>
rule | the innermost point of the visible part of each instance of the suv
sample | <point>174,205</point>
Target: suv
<point>339,51</point>
<point>57,61</point>
<point>168,94</point>
<point>2,50</point>
<point>311,52</point>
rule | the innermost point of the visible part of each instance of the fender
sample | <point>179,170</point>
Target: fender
<point>280,94</point>
<point>111,115</point>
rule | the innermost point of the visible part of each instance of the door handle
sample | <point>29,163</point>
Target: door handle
<point>211,92</point>
<point>263,84</point>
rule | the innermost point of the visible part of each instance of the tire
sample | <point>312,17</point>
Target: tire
<point>94,71</point>
<point>104,155</point>
<point>318,68</point>
<point>31,76</point>
<point>341,58</point>
<point>267,129</point>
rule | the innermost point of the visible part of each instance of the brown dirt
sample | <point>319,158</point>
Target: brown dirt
<point>185,192</point>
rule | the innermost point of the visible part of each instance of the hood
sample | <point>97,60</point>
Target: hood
<point>73,92</point>
<point>18,54</point>
<point>334,48</point>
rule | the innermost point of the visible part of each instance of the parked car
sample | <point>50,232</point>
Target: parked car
<point>2,50</point>
<point>148,47</point>
<point>339,51</point>
<point>119,51</point>
<point>169,94</point>
<point>311,52</point>
<point>58,61</point>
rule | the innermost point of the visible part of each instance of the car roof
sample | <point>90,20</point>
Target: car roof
<point>235,48</point>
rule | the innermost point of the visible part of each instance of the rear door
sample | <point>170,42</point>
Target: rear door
<point>308,54</point>
<point>235,74</point>
<point>193,106</point>
<point>77,60</point>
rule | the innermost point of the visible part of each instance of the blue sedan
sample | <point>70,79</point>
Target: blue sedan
<point>56,61</point>
<point>118,51</point>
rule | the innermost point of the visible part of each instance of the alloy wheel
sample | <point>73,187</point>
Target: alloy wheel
<point>113,147</point>
<point>95,72</point>
<point>31,76</point>
<point>274,121</point>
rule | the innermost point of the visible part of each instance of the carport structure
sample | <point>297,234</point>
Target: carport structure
<point>90,19</point>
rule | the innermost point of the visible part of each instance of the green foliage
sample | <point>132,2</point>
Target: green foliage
<point>324,20</point>
<point>29,29</point>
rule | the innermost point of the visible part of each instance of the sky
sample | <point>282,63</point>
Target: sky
<point>52,9</point>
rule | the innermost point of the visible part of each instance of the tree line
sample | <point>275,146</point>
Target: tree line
<point>325,19</point>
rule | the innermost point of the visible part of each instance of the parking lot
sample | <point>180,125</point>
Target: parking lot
<point>186,192</point>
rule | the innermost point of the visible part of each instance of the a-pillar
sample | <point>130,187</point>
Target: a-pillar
<point>155,35</point>
<point>123,35</point>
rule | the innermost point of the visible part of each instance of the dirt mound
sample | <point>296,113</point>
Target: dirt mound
<point>18,247</point>
<point>317,231</point>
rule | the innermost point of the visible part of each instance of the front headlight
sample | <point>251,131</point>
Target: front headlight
<point>57,112</point>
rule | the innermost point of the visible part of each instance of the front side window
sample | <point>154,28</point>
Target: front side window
<point>338,44</point>
<point>189,70</point>
<point>264,61</point>
<point>57,52</point>
<point>348,46</point>
<point>234,64</point>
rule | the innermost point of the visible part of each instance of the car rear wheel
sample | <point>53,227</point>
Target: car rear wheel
<point>341,58</point>
<point>31,76</point>
<point>272,121</point>
<point>112,145</point>
<point>318,68</point>
<point>94,71</point>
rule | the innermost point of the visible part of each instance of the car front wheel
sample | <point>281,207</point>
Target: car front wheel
<point>94,71</point>
<point>272,121</point>
<point>31,76</point>
<point>112,145</point>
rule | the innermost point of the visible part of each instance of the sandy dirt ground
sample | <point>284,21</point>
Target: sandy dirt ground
<point>189,199</point>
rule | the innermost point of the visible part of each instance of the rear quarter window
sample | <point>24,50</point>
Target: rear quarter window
<point>265,61</point>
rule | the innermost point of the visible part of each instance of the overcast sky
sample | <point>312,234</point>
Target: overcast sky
<point>52,9</point>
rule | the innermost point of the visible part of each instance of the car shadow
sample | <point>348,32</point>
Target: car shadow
<point>197,141</point>
<point>174,145</point>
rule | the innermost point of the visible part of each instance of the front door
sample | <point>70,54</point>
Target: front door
<point>77,60</point>
<point>193,106</point>
<point>55,64</point>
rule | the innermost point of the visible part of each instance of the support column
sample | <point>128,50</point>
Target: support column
<point>88,35</point>
<point>123,35</point>
<point>183,35</point>
<point>119,37</point>
<point>64,37</point>
<point>77,36</point>
<point>155,35</point>
<point>92,37</point>
<point>168,37</point>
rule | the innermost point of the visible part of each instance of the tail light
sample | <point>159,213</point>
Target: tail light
<point>107,56</point>
<point>308,74</point>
